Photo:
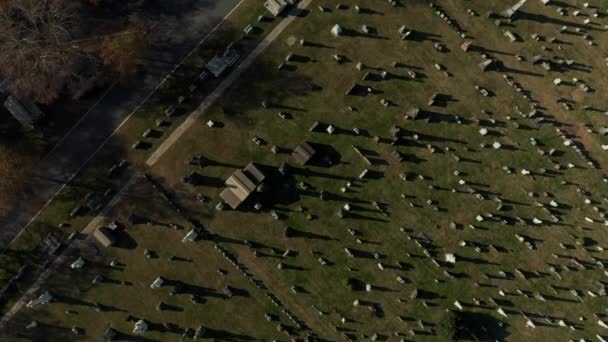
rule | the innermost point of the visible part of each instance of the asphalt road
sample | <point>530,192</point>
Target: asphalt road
<point>181,26</point>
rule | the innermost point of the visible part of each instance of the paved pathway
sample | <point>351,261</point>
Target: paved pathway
<point>225,84</point>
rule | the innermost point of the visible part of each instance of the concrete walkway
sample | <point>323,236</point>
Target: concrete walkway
<point>225,84</point>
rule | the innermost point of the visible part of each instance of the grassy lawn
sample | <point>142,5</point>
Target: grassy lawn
<point>454,176</point>
<point>199,264</point>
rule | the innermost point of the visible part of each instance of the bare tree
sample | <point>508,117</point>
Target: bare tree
<point>124,51</point>
<point>40,52</point>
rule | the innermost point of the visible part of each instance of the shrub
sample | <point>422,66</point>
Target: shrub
<point>353,284</point>
<point>580,241</point>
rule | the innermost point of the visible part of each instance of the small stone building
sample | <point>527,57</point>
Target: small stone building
<point>303,153</point>
<point>241,184</point>
<point>24,110</point>
<point>105,236</point>
<point>275,7</point>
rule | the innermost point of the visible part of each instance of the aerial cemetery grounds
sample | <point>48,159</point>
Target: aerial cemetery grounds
<point>384,169</point>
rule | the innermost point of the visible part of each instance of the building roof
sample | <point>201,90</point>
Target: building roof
<point>24,110</point>
<point>230,198</point>
<point>254,173</point>
<point>105,236</point>
<point>219,63</point>
<point>275,6</point>
<point>303,153</point>
<point>241,184</point>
